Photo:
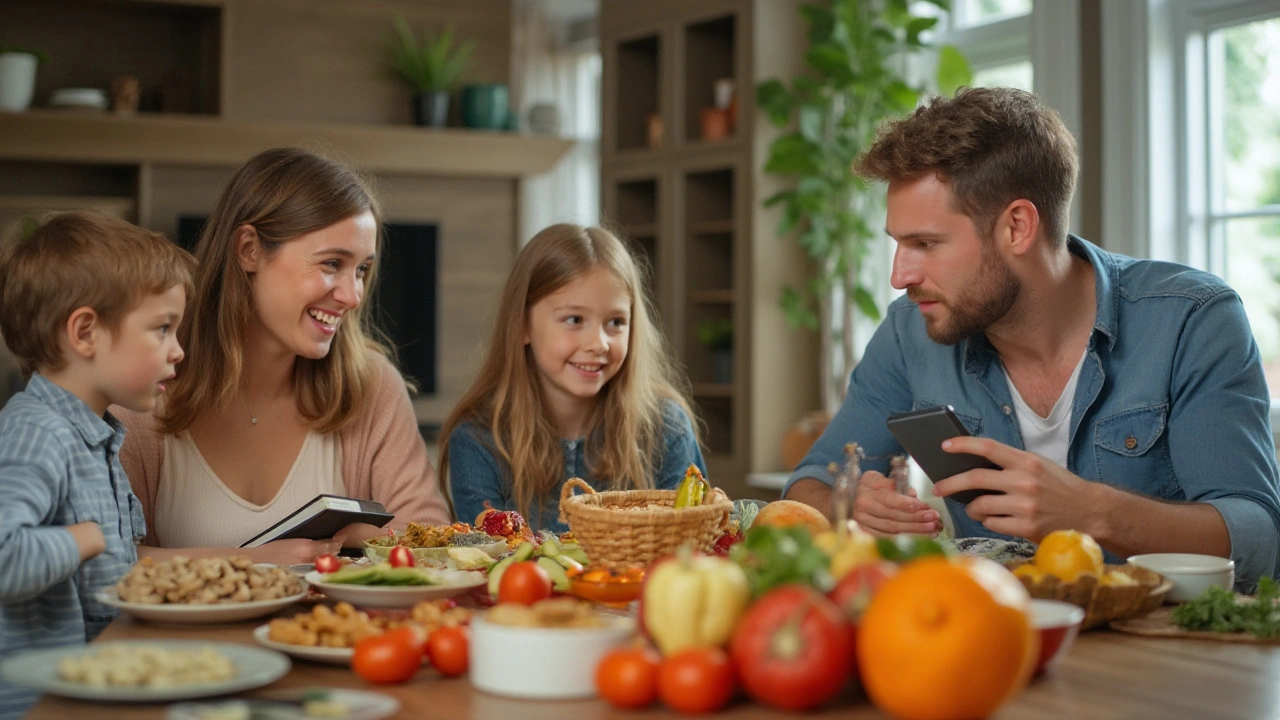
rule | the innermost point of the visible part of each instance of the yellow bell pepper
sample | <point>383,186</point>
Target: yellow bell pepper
<point>694,601</point>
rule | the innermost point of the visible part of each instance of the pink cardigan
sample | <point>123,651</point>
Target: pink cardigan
<point>383,457</point>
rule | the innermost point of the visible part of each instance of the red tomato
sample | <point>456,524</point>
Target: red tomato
<point>854,592</point>
<point>791,649</point>
<point>401,556</point>
<point>391,657</point>
<point>697,680</point>
<point>328,564</point>
<point>447,648</point>
<point>628,678</point>
<point>525,583</point>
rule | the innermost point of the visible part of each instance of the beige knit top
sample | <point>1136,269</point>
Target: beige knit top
<point>383,458</point>
<point>195,509</point>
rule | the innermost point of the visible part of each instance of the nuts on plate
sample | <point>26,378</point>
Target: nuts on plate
<point>206,581</point>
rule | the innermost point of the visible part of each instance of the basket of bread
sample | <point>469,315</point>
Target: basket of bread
<point>625,528</point>
<point>1068,566</point>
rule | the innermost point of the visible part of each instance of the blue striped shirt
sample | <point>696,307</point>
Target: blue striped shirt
<point>59,465</point>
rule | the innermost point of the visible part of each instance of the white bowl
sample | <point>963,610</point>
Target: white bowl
<point>1191,574</point>
<point>542,663</point>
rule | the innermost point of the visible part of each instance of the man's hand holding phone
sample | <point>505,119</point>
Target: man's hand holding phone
<point>1029,497</point>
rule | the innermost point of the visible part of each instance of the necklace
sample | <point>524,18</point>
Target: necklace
<point>252,418</point>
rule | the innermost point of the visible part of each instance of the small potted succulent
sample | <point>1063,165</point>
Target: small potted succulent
<point>430,68</point>
<point>717,335</point>
<point>18,76</point>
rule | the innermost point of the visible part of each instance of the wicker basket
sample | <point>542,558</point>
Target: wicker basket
<point>624,528</point>
<point>1104,603</point>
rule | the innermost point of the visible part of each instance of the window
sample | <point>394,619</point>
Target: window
<point>1233,223</point>
<point>1195,123</point>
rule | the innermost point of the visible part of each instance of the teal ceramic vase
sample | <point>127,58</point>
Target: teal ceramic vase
<point>485,107</point>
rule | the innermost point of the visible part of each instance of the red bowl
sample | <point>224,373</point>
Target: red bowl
<point>1058,624</point>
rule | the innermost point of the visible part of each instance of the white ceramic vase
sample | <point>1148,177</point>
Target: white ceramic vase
<point>17,80</point>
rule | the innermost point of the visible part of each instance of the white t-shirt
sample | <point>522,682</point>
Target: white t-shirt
<point>1048,436</point>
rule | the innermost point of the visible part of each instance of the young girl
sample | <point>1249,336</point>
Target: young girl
<point>576,383</point>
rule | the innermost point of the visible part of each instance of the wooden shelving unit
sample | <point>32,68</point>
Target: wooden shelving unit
<point>692,207</point>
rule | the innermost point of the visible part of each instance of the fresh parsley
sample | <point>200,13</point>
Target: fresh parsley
<point>1217,610</point>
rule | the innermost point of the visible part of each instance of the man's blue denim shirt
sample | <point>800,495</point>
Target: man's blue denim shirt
<point>1171,403</point>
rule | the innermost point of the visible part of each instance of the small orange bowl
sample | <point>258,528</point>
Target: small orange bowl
<point>603,586</point>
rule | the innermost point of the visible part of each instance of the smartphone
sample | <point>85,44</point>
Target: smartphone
<point>922,431</point>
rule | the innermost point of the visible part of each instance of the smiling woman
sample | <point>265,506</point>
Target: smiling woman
<point>287,392</point>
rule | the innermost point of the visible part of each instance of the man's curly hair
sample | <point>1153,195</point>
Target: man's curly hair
<point>992,146</point>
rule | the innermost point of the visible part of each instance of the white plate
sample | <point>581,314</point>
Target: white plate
<point>199,614</point>
<point>314,653</point>
<point>38,669</point>
<point>452,582</point>
<point>360,705</point>
<point>381,552</point>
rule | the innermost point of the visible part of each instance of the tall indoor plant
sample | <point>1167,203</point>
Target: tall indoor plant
<point>430,68</point>
<point>856,76</point>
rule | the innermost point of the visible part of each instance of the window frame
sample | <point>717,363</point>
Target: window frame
<point>1162,103</point>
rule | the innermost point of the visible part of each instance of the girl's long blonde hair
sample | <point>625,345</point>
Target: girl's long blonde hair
<point>282,193</point>
<point>625,429</point>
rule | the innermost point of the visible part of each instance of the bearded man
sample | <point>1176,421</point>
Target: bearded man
<point>1122,398</point>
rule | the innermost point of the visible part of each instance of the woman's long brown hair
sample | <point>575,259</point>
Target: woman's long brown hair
<point>283,194</point>
<point>624,431</point>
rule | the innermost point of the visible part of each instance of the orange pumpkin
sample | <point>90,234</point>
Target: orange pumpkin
<point>947,639</point>
<point>797,440</point>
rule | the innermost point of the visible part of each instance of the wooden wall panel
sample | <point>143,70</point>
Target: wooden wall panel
<point>318,60</point>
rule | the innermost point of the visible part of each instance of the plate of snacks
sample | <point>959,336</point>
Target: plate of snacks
<point>432,543</point>
<point>145,670</point>
<point>1068,566</point>
<point>382,586</point>
<point>327,635</point>
<point>203,591</point>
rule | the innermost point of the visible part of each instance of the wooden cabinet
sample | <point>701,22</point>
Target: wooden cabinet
<point>692,207</point>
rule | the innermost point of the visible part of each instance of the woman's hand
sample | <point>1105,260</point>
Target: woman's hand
<point>296,551</point>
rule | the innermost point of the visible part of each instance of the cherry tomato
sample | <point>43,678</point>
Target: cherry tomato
<point>525,583</point>
<point>391,657</point>
<point>328,564</point>
<point>401,556</point>
<point>447,648</point>
<point>628,678</point>
<point>697,680</point>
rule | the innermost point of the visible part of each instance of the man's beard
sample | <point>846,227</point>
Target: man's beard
<point>979,306</point>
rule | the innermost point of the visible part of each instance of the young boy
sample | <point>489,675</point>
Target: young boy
<point>89,305</point>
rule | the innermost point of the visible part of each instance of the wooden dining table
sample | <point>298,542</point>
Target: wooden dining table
<point>1105,674</point>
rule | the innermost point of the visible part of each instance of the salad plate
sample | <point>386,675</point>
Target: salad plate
<point>445,584</point>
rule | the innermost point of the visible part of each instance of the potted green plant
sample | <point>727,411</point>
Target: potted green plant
<point>430,68</point>
<point>855,77</point>
<point>18,76</point>
<point>717,335</point>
